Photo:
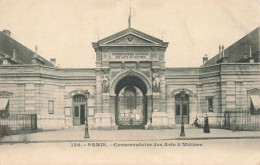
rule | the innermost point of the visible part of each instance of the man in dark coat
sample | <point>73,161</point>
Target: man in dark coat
<point>206,125</point>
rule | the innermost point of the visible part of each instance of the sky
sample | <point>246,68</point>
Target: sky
<point>65,29</point>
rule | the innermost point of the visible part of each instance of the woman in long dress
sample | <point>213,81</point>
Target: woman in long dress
<point>206,125</point>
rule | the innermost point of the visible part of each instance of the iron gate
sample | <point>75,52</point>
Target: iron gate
<point>19,123</point>
<point>241,120</point>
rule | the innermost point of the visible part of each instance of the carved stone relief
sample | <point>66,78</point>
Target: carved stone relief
<point>5,94</point>
<point>130,39</point>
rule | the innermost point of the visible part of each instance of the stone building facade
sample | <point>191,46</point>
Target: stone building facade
<point>130,87</point>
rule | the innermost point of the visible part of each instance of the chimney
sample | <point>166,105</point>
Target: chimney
<point>53,61</point>
<point>220,52</point>
<point>251,59</point>
<point>7,32</point>
<point>205,59</point>
<point>250,52</point>
<point>14,54</point>
<point>223,52</point>
<point>36,51</point>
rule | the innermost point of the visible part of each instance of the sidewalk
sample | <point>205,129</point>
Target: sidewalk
<point>71,135</point>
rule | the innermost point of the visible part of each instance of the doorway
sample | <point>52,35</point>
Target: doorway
<point>79,110</point>
<point>131,103</point>
<point>182,109</point>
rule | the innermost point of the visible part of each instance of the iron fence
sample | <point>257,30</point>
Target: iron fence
<point>241,120</point>
<point>18,123</point>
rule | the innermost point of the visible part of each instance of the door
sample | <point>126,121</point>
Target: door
<point>79,110</point>
<point>82,114</point>
<point>178,114</point>
<point>182,109</point>
<point>185,113</point>
<point>79,114</point>
<point>76,120</point>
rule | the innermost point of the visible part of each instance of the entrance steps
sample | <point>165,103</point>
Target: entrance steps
<point>175,126</point>
<point>78,127</point>
<point>186,126</point>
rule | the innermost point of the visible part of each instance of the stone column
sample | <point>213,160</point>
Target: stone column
<point>149,111</point>
<point>105,103</point>
<point>98,91</point>
<point>112,111</point>
<point>159,118</point>
<point>99,116</point>
<point>162,92</point>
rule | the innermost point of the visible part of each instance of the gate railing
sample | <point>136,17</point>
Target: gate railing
<point>18,123</point>
<point>241,120</point>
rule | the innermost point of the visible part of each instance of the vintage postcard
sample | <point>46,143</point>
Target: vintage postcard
<point>129,82</point>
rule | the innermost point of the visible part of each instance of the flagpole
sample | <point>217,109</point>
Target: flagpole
<point>129,18</point>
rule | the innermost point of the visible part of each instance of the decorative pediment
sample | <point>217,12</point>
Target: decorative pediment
<point>129,40</point>
<point>130,37</point>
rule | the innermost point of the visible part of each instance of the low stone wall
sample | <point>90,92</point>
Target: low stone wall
<point>216,120</point>
<point>49,122</point>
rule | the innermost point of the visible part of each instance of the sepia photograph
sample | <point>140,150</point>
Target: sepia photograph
<point>130,82</point>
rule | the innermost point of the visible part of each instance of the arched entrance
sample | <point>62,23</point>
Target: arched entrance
<point>131,103</point>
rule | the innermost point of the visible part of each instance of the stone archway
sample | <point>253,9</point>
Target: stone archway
<point>130,102</point>
<point>140,75</point>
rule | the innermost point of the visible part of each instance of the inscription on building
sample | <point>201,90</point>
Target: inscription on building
<point>127,56</point>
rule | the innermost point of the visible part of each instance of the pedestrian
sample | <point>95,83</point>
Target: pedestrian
<point>195,123</point>
<point>206,125</point>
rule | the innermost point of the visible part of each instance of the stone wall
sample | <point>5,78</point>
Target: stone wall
<point>177,79</point>
<point>227,84</point>
<point>33,86</point>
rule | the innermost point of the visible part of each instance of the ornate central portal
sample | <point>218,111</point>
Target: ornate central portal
<point>131,103</point>
<point>130,81</point>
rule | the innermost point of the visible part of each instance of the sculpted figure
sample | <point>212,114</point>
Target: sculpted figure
<point>105,84</point>
<point>156,83</point>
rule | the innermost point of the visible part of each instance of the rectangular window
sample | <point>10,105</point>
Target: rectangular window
<point>210,104</point>
<point>51,106</point>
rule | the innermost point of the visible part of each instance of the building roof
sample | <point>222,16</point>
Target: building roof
<point>240,49</point>
<point>127,31</point>
<point>23,54</point>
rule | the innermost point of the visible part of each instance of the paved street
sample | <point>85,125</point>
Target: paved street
<point>126,135</point>
<point>133,147</point>
<point>210,152</point>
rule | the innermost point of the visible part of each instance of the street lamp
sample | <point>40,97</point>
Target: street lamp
<point>182,93</point>
<point>86,124</point>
